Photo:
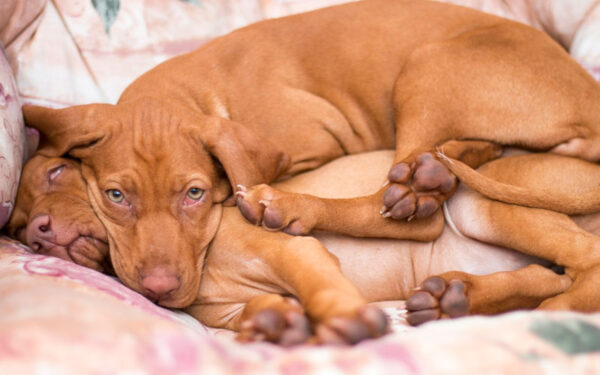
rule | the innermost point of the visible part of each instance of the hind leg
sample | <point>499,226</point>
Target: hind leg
<point>551,236</point>
<point>542,233</point>
<point>454,294</point>
<point>493,84</point>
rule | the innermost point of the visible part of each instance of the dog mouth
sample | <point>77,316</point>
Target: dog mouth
<point>176,299</point>
<point>87,251</point>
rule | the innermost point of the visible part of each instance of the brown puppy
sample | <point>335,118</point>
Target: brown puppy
<point>53,214</point>
<point>243,289</point>
<point>287,95</point>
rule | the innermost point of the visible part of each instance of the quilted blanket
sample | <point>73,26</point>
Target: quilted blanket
<point>59,318</point>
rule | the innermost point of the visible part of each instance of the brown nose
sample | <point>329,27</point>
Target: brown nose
<point>159,283</point>
<point>39,232</point>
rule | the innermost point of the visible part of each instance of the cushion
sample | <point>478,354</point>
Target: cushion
<point>89,51</point>
<point>18,21</point>
<point>12,140</point>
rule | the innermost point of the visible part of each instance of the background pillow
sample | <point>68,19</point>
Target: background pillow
<point>12,140</point>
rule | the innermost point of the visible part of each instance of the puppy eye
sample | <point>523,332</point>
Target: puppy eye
<point>195,193</point>
<point>115,195</point>
<point>54,172</point>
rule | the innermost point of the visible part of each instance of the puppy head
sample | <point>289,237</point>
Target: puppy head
<point>53,215</point>
<point>157,174</point>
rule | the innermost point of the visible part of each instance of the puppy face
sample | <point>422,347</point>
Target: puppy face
<point>158,198</point>
<point>53,215</point>
<point>157,173</point>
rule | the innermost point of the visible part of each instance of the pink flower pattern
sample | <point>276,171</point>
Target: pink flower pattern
<point>12,140</point>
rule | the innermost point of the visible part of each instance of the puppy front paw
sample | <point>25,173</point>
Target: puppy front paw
<point>369,322</point>
<point>273,209</point>
<point>285,329</point>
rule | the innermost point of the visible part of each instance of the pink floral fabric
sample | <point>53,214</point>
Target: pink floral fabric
<point>83,53</point>
<point>18,21</point>
<point>90,54</point>
<point>59,318</point>
<point>12,140</point>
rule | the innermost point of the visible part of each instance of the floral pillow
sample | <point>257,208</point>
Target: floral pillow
<point>12,140</point>
<point>90,50</point>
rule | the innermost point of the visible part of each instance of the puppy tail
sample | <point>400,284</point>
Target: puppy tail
<point>586,203</point>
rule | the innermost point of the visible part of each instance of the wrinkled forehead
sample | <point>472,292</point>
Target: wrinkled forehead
<point>42,177</point>
<point>150,153</point>
<point>35,169</point>
<point>149,148</point>
<point>42,174</point>
<point>150,137</point>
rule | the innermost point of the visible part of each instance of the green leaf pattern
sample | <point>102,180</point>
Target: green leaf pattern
<point>108,11</point>
<point>571,336</point>
<point>195,2</point>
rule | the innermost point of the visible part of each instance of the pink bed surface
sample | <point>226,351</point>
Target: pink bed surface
<point>59,318</point>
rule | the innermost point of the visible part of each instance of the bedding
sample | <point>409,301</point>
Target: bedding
<point>60,318</point>
<point>12,139</point>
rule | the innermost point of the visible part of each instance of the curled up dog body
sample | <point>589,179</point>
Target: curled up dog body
<point>244,285</point>
<point>287,95</point>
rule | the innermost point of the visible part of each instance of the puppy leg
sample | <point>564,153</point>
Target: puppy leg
<point>299,214</point>
<point>456,89</point>
<point>454,294</point>
<point>582,295</point>
<point>302,267</point>
<point>545,234</point>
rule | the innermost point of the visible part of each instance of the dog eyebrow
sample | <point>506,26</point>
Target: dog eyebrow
<point>125,179</point>
<point>182,180</point>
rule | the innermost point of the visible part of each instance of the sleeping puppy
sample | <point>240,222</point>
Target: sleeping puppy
<point>242,288</point>
<point>53,214</point>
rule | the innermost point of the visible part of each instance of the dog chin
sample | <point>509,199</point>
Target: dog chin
<point>89,252</point>
<point>177,301</point>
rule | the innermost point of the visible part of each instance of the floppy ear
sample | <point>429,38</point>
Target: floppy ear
<point>65,130</point>
<point>248,159</point>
